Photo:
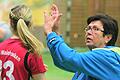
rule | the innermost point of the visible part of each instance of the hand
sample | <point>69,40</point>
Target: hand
<point>52,20</point>
<point>46,67</point>
<point>55,11</point>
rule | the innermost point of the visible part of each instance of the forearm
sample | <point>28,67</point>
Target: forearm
<point>61,53</point>
<point>58,61</point>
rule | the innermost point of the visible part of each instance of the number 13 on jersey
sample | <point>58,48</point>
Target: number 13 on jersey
<point>9,74</point>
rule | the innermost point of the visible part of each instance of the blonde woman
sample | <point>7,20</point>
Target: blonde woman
<point>20,55</point>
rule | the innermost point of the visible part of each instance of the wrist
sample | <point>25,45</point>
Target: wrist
<point>48,32</point>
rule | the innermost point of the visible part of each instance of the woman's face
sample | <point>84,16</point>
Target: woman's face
<point>94,34</point>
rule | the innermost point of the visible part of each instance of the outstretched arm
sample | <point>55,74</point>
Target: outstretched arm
<point>52,20</point>
<point>52,25</point>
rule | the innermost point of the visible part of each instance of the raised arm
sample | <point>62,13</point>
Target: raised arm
<point>52,20</point>
<point>52,25</point>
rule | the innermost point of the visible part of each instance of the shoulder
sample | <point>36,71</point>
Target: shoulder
<point>33,58</point>
<point>105,52</point>
<point>107,49</point>
<point>99,55</point>
<point>99,52</point>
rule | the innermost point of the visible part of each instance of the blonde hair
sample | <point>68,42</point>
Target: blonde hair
<point>20,17</point>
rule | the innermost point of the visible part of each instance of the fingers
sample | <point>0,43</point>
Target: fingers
<point>54,11</point>
<point>54,8</point>
<point>52,19</point>
<point>45,15</point>
<point>59,16</point>
<point>46,67</point>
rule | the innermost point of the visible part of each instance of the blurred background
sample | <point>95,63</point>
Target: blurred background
<point>73,23</point>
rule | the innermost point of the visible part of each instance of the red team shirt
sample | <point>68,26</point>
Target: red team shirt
<point>12,53</point>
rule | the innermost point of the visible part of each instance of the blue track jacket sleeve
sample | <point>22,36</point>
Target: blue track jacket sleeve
<point>97,63</point>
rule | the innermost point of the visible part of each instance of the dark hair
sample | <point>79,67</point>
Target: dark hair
<point>110,26</point>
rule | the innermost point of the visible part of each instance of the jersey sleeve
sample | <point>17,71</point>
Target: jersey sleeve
<point>36,64</point>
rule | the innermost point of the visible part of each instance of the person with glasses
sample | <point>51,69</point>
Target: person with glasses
<point>102,62</point>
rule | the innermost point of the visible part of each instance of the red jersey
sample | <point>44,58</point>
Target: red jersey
<point>12,53</point>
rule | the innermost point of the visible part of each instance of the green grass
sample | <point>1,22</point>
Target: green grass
<point>55,73</point>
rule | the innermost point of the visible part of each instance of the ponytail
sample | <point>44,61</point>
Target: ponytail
<point>29,40</point>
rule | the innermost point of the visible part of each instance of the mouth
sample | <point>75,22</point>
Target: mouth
<point>88,40</point>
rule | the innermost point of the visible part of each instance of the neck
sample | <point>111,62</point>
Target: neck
<point>92,47</point>
<point>14,37</point>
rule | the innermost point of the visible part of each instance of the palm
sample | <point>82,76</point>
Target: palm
<point>52,21</point>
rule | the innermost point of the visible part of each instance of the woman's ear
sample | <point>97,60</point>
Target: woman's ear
<point>108,38</point>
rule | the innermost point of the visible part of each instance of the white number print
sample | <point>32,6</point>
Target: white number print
<point>0,69</point>
<point>7,64</point>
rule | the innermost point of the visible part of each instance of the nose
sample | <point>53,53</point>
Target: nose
<point>89,31</point>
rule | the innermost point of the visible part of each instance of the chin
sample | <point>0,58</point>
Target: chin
<point>90,46</point>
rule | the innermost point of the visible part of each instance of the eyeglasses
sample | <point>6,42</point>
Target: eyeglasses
<point>95,29</point>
